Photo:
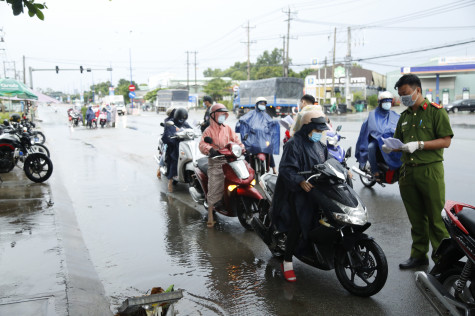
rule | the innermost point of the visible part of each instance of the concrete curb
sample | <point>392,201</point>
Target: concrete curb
<point>85,292</point>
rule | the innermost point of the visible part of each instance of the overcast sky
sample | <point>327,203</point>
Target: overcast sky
<point>100,33</point>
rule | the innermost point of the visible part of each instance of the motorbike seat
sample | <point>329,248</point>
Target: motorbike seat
<point>467,218</point>
<point>203,164</point>
<point>271,182</point>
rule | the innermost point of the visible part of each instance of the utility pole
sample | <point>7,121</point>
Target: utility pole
<point>325,82</point>
<point>195,52</point>
<point>286,68</point>
<point>348,69</point>
<point>249,42</point>
<point>24,70</point>
<point>283,56</point>
<point>333,66</point>
<point>188,70</point>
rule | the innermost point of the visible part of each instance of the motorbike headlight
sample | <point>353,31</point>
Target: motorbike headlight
<point>237,150</point>
<point>332,140</point>
<point>352,215</point>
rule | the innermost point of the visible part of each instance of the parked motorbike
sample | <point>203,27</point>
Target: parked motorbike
<point>240,198</point>
<point>188,154</point>
<point>37,136</point>
<point>337,240</point>
<point>450,285</point>
<point>15,147</point>
<point>337,152</point>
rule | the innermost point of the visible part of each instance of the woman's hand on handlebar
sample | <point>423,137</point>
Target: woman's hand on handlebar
<point>306,186</point>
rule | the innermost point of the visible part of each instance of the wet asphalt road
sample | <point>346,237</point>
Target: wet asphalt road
<point>138,236</point>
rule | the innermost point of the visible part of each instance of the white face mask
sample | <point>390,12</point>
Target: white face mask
<point>386,105</point>
<point>261,107</point>
<point>221,119</point>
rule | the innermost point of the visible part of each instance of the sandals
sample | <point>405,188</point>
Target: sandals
<point>211,224</point>
<point>288,275</point>
<point>159,175</point>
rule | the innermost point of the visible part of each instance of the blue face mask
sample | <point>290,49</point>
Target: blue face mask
<point>261,107</point>
<point>221,119</point>
<point>386,105</point>
<point>315,137</point>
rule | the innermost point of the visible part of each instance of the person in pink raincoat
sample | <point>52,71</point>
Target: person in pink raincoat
<point>221,135</point>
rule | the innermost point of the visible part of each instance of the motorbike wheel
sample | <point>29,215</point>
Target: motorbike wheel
<point>366,182</point>
<point>368,271</point>
<point>245,211</point>
<point>38,148</point>
<point>449,279</point>
<point>6,161</point>
<point>38,167</point>
<point>38,137</point>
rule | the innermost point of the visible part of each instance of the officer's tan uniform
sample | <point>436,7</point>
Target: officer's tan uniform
<point>421,180</point>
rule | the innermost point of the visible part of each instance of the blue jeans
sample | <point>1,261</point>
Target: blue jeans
<point>373,155</point>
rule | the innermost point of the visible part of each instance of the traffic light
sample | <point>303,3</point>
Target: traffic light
<point>57,69</point>
<point>81,69</point>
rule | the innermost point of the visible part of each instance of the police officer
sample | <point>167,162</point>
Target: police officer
<point>425,130</point>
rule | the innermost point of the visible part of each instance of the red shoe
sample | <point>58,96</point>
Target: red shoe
<point>289,275</point>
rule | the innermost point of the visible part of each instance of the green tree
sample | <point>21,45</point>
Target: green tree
<point>33,7</point>
<point>151,96</point>
<point>273,58</point>
<point>123,89</point>
<point>217,88</point>
<point>373,101</point>
<point>102,88</point>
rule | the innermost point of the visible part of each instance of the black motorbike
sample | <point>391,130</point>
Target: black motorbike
<point>336,240</point>
<point>16,146</point>
<point>450,285</point>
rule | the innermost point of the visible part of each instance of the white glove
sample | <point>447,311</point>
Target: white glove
<point>410,147</point>
<point>387,149</point>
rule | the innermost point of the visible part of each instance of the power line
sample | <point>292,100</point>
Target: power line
<point>419,50</point>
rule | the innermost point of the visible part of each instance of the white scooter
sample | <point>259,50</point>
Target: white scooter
<point>188,153</point>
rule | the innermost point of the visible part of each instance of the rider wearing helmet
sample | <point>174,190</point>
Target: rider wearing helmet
<point>380,123</point>
<point>15,117</point>
<point>294,200</point>
<point>260,134</point>
<point>221,134</point>
<point>171,158</point>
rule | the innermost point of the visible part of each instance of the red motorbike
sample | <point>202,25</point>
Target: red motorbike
<point>240,198</point>
<point>450,285</point>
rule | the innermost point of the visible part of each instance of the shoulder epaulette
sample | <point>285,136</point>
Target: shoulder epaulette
<point>438,106</point>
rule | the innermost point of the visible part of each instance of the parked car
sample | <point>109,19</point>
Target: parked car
<point>461,105</point>
<point>121,110</point>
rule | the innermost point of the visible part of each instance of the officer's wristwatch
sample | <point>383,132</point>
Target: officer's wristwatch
<point>421,145</point>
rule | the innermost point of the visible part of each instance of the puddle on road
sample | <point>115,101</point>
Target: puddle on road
<point>30,255</point>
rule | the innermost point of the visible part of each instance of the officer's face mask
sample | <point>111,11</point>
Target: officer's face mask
<point>407,99</point>
<point>386,106</point>
<point>221,119</point>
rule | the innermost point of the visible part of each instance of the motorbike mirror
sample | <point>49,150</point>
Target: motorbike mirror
<point>338,128</point>
<point>208,140</point>
<point>348,153</point>
<point>162,125</point>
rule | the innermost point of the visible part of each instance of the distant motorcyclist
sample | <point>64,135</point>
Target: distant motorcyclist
<point>208,102</point>
<point>294,200</point>
<point>381,122</point>
<point>179,119</point>
<point>90,115</point>
<point>221,135</point>
<point>260,133</point>
<point>170,113</point>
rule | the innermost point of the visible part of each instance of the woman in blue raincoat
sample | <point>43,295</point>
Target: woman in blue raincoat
<point>380,123</point>
<point>260,133</point>
<point>90,115</point>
